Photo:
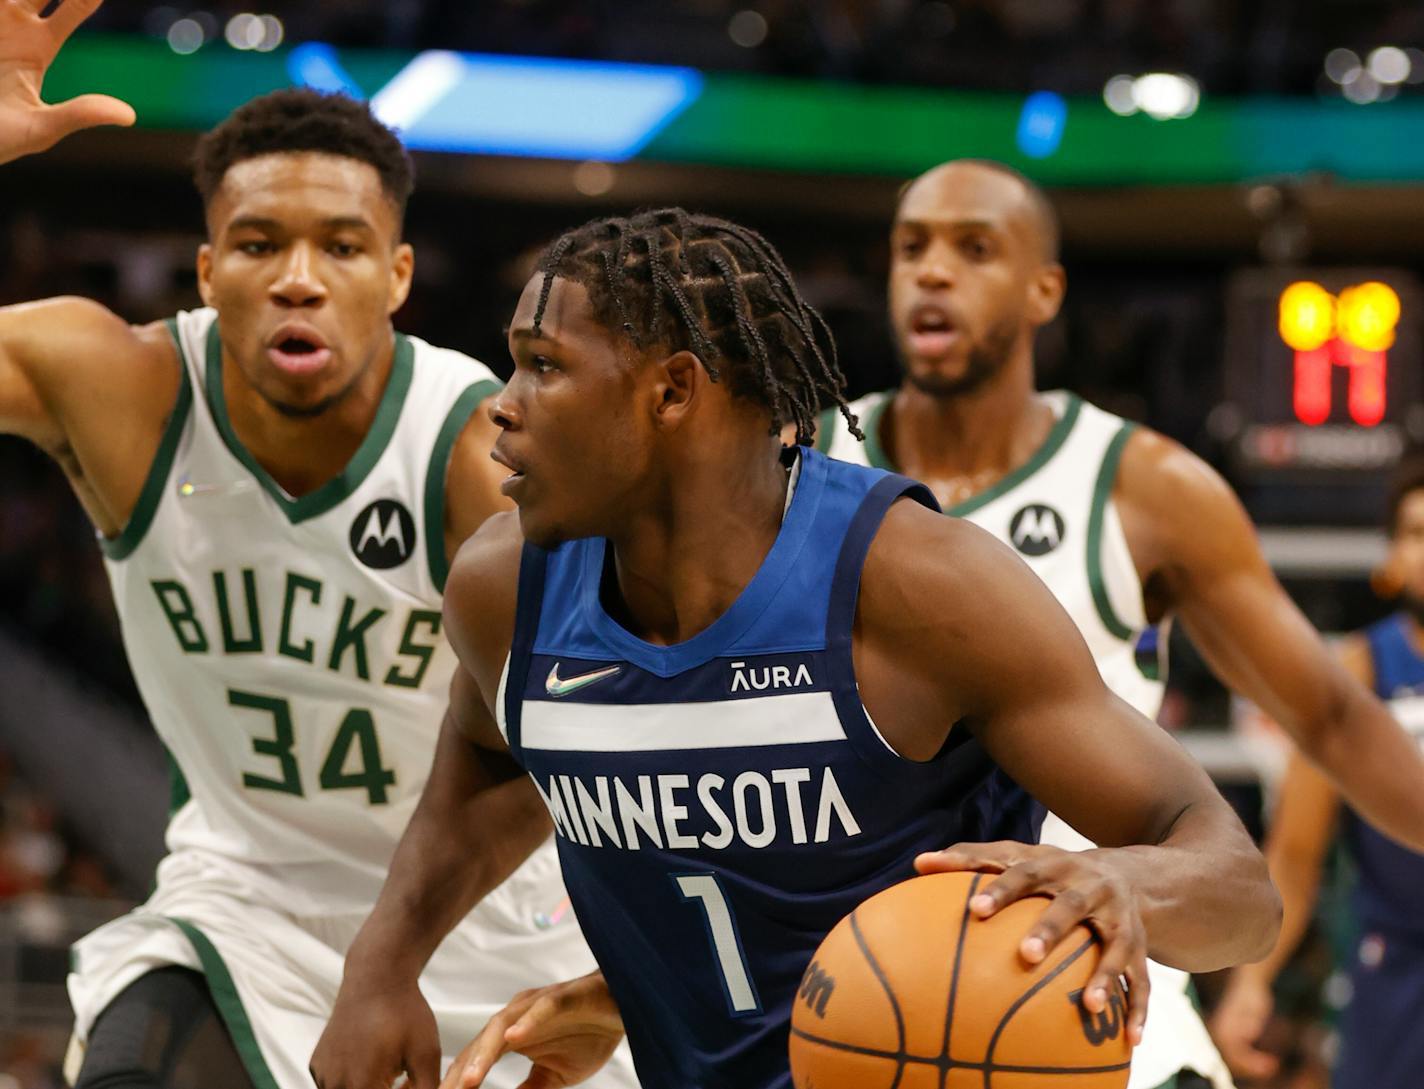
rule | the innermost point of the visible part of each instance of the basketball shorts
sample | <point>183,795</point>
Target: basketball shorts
<point>1382,1028</point>
<point>274,976</point>
<point>1175,1038</point>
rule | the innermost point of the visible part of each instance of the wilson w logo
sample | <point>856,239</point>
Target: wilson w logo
<point>816,989</point>
<point>1099,1028</point>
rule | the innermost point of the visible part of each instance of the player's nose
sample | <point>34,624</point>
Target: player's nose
<point>297,282</point>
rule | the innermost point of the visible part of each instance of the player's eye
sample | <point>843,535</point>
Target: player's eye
<point>541,364</point>
<point>976,248</point>
<point>343,249</point>
<point>911,247</point>
<point>256,247</point>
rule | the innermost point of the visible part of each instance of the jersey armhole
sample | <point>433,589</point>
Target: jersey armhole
<point>533,563</point>
<point>1102,493</point>
<point>439,468</point>
<point>861,732</point>
<point>149,497</point>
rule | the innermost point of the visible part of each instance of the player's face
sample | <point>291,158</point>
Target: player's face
<point>968,281</point>
<point>578,446</point>
<point>1407,550</point>
<point>305,267</point>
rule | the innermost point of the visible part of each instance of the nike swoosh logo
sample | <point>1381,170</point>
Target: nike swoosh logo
<point>560,686</point>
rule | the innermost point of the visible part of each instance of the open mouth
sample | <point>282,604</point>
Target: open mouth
<point>932,331</point>
<point>298,352</point>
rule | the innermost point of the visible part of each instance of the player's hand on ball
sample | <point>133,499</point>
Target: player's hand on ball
<point>568,1031</point>
<point>1238,1022</point>
<point>28,44</point>
<point>1086,888</point>
<point>375,1035</point>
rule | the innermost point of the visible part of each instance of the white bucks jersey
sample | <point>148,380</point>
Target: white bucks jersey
<point>289,650</point>
<point>1057,511</point>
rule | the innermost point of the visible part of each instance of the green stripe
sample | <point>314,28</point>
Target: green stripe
<point>874,451</point>
<point>455,421</point>
<point>826,429</point>
<point>179,794</point>
<point>122,546</point>
<point>229,1004</point>
<point>1050,446</point>
<point>362,462</point>
<point>1170,1083</point>
<point>1102,491</point>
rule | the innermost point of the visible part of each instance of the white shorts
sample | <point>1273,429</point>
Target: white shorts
<point>1175,1038</point>
<point>274,976</point>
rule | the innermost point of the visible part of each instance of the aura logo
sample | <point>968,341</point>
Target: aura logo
<point>1099,1028</point>
<point>1037,530</point>
<point>383,535</point>
<point>816,989</point>
<point>747,679</point>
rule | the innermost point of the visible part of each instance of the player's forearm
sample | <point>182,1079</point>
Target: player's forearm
<point>469,832</point>
<point>1203,892</point>
<point>1377,767</point>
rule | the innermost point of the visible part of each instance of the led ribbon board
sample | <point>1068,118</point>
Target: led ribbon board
<point>539,107</point>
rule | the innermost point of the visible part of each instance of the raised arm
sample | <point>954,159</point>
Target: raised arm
<point>478,819</point>
<point>980,641</point>
<point>1206,562</point>
<point>28,44</point>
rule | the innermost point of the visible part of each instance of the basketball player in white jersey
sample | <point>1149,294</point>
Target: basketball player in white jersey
<point>1127,528</point>
<point>278,481</point>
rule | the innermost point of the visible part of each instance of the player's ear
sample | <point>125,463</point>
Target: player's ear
<point>679,380</point>
<point>205,273</point>
<point>1045,293</point>
<point>402,269</point>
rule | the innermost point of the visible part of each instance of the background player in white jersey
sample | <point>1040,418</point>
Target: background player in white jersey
<point>278,482</point>
<point>1382,1026</point>
<point>1126,527</point>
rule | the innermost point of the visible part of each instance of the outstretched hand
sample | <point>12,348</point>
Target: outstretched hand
<point>1085,889</point>
<point>568,1031</point>
<point>28,44</point>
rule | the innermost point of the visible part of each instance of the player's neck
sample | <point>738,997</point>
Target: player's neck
<point>681,563</point>
<point>303,453</point>
<point>963,444</point>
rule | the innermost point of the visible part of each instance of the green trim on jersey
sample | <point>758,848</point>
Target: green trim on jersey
<point>455,421</point>
<point>179,793</point>
<point>1102,491</point>
<point>1170,1083</point>
<point>229,1004</point>
<point>826,429</point>
<point>129,538</point>
<point>362,462</point>
<point>1041,457</point>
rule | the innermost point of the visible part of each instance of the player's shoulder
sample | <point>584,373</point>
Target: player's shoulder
<point>458,366</point>
<point>1158,473</point>
<point>481,592</point>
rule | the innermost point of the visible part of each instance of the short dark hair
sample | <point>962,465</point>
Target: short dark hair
<point>298,119</point>
<point>670,278</point>
<point>1407,478</point>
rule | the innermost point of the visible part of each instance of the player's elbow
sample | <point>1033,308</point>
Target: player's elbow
<point>1261,926</point>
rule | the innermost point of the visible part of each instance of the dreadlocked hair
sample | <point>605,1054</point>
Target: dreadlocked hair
<point>669,278</point>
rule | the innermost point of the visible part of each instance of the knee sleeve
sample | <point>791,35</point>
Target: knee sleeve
<point>162,1032</point>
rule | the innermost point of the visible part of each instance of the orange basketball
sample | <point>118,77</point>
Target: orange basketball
<point>911,992</point>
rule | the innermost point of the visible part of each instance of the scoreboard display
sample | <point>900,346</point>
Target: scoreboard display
<point>1324,387</point>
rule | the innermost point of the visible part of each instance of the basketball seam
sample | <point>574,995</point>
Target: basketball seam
<point>1023,998</point>
<point>954,976</point>
<point>953,1064</point>
<point>889,993</point>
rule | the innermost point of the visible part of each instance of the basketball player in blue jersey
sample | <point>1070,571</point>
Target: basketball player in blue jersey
<point>1382,1028</point>
<point>754,689</point>
<point>1125,527</point>
<point>278,480</point>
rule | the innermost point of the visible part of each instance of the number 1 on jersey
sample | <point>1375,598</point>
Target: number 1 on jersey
<point>736,980</point>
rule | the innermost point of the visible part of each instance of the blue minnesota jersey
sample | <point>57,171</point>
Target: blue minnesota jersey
<point>721,803</point>
<point>1391,877</point>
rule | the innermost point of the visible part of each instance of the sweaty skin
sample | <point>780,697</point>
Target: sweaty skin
<point>934,645</point>
<point>972,278</point>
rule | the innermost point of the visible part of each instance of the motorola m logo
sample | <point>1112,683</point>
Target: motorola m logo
<point>383,535</point>
<point>1037,530</point>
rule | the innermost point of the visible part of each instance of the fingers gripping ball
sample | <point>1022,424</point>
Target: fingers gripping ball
<point>911,992</point>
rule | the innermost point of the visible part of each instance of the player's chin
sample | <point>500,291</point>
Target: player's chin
<point>540,530</point>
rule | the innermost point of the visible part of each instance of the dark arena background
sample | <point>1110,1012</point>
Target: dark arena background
<point>1206,157</point>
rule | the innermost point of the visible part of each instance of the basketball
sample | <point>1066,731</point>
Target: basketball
<point>911,992</point>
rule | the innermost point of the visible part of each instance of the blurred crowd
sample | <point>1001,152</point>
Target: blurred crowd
<point>1071,46</point>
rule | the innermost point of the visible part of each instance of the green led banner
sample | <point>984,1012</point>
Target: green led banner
<point>527,106</point>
